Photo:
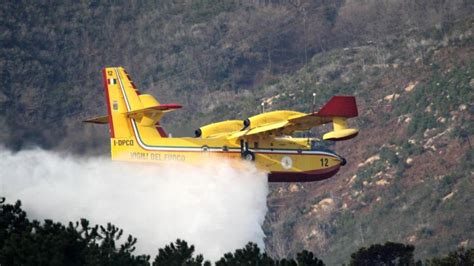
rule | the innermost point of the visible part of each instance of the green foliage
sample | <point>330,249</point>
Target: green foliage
<point>178,254</point>
<point>306,258</point>
<point>443,93</point>
<point>463,132</point>
<point>460,257</point>
<point>388,254</point>
<point>467,162</point>
<point>411,149</point>
<point>367,173</point>
<point>389,156</point>
<point>249,255</point>
<point>421,122</point>
<point>25,242</point>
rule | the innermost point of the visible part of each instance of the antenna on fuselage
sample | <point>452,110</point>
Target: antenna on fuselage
<point>263,107</point>
<point>312,111</point>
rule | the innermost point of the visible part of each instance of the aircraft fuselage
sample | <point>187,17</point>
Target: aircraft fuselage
<point>285,159</point>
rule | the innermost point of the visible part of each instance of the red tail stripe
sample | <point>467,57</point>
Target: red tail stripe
<point>107,99</point>
<point>161,131</point>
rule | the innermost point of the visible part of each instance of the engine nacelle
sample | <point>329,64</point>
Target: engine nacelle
<point>218,128</point>
<point>270,117</point>
<point>340,130</point>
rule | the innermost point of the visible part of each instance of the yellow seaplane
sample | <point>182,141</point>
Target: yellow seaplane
<point>264,139</point>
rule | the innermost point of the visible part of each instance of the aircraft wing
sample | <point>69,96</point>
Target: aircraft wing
<point>271,129</point>
<point>337,110</point>
<point>308,121</point>
<point>293,124</point>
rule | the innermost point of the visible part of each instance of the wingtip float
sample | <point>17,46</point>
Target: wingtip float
<point>265,139</point>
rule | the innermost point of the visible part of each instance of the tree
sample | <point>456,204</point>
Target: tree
<point>178,254</point>
<point>249,255</point>
<point>307,258</point>
<point>461,257</point>
<point>25,242</point>
<point>388,254</point>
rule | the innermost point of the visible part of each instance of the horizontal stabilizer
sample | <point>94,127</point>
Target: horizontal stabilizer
<point>98,120</point>
<point>161,107</point>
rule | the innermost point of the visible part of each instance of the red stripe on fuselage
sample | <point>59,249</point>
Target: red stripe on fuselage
<point>107,99</point>
<point>161,131</point>
<point>309,176</point>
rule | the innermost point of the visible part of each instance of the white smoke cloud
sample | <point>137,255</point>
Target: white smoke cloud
<point>216,207</point>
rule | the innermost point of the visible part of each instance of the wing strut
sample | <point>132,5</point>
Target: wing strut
<point>245,153</point>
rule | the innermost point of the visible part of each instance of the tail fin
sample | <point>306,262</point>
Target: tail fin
<point>340,106</point>
<point>130,112</point>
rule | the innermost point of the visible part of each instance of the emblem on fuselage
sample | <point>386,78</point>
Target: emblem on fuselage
<point>286,162</point>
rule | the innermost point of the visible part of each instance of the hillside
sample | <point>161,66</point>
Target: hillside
<point>410,172</point>
<point>409,176</point>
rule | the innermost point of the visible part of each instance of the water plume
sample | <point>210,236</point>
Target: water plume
<point>215,206</point>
